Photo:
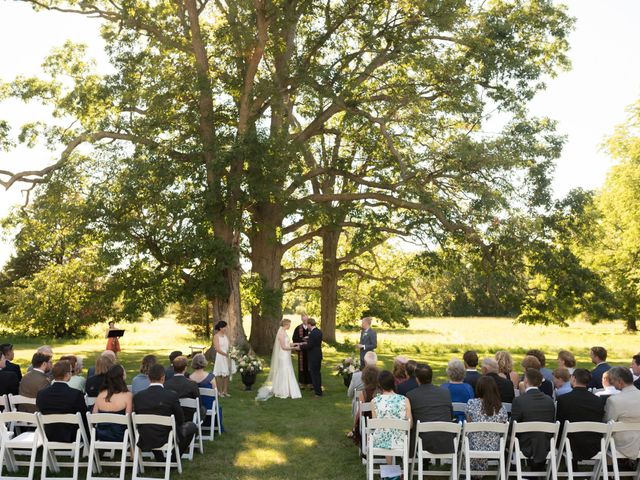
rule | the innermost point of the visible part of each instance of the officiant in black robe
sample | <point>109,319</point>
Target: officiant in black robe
<point>300,335</point>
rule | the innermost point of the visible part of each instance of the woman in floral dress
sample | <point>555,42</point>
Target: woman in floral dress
<point>389,405</point>
<point>486,407</point>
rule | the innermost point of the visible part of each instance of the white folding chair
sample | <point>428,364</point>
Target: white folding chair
<point>89,401</point>
<point>212,412</point>
<point>124,446</point>
<point>622,428</point>
<point>516,456</point>
<point>420,454</point>
<point>27,443</point>
<point>469,428</point>
<point>76,449</point>
<point>363,407</point>
<point>598,461</point>
<point>387,423</point>
<point>194,404</point>
<point>14,403</point>
<point>4,403</point>
<point>507,407</point>
<point>459,406</point>
<point>170,446</point>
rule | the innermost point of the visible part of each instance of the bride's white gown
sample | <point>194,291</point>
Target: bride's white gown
<point>282,381</point>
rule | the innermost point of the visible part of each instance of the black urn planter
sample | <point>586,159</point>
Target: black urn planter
<point>347,379</point>
<point>248,379</point>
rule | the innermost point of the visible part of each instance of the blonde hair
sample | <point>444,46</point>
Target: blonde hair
<point>505,362</point>
<point>284,322</point>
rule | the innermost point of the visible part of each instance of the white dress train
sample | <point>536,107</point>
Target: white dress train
<point>281,382</point>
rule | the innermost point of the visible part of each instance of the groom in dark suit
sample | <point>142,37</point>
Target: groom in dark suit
<point>314,352</point>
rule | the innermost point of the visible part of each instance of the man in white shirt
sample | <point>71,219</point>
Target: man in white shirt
<point>624,408</point>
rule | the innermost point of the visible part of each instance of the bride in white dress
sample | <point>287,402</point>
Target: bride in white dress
<point>281,382</point>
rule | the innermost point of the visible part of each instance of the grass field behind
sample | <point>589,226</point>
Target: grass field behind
<point>291,439</point>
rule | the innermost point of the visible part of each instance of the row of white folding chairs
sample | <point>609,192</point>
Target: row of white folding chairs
<point>514,457</point>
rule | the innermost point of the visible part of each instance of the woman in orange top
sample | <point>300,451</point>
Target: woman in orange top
<point>113,343</point>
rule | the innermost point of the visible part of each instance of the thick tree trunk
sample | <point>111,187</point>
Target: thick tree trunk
<point>228,309</point>
<point>631,325</point>
<point>329,284</point>
<point>266,258</point>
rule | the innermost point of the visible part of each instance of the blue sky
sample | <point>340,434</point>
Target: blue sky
<point>587,101</point>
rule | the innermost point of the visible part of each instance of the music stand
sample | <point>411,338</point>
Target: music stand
<point>115,333</point>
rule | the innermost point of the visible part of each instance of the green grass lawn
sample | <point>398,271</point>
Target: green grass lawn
<point>292,439</point>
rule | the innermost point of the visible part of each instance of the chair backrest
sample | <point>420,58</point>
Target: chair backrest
<point>591,427</point>
<point>507,406</point>
<point>539,427</point>
<point>4,402</point>
<point>394,423</point>
<point>208,392</point>
<point>493,427</point>
<point>70,418</point>
<point>448,427</point>
<point>15,400</point>
<point>190,403</point>
<point>117,418</point>
<point>625,427</point>
<point>145,419</point>
<point>90,401</point>
<point>459,406</point>
<point>365,407</point>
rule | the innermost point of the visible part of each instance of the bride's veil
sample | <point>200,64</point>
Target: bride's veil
<point>266,390</point>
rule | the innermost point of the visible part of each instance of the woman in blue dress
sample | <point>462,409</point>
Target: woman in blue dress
<point>205,379</point>
<point>460,391</point>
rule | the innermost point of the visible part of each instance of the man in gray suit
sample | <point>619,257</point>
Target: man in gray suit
<point>430,404</point>
<point>368,338</point>
<point>624,408</point>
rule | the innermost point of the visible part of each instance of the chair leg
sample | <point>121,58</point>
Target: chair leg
<point>167,463</point>
<point>136,463</point>
<point>45,461</point>
<point>518,465</point>
<point>76,462</point>
<point>420,464</point>
<point>123,458</point>
<point>32,462</point>
<point>467,465</point>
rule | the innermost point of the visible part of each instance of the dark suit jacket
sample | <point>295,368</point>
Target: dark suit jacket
<point>185,388</point>
<point>431,404</point>
<point>157,400</point>
<point>369,339</point>
<point>534,406</point>
<point>61,398</point>
<point>406,386</point>
<point>314,347</point>
<point>471,377</point>
<point>505,387</point>
<point>15,368</point>
<point>547,388</point>
<point>580,405</point>
<point>169,372</point>
<point>9,383</point>
<point>31,384</point>
<point>93,385</point>
<point>596,375</point>
<point>637,384</point>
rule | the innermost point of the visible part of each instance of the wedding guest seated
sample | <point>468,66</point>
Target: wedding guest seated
<point>7,350</point>
<point>505,387</point>
<point>141,381</point>
<point>59,398</point>
<point>580,405</point>
<point>430,404</point>
<point>531,362</point>
<point>76,381</point>
<point>389,405</point>
<point>460,391</point>
<point>400,370</point>
<point>156,400</point>
<point>567,360</point>
<point>107,353</point>
<point>204,379</point>
<point>356,384</point>
<point>607,389</point>
<point>506,368</point>
<point>45,350</point>
<point>624,408</point>
<point>169,370</point>
<point>546,372</point>
<point>561,381</point>
<point>486,407</point>
<point>370,389</point>
<point>411,383</point>
<point>93,385</point>
<point>184,387</point>
<point>635,370</point>
<point>599,359</point>
<point>9,382</point>
<point>114,397</point>
<point>533,406</point>
<point>471,376</point>
<point>35,380</point>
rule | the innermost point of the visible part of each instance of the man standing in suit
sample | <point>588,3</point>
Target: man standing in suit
<point>6,349</point>
<point>9,382</point>
<point>490,368</point>
<point>598,357</point>
<point>430,404</point>
<point>35,380</point>
<point>61,398</point>
<point>580,405</point>
<point>368,338</point>
<point>314,350</point>
<point>624,408</point>
<point>533,406</point>
<point>471,376</point>
<point>157,400</point>
<point>184,387</point>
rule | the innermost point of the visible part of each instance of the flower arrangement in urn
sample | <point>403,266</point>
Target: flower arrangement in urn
<point>347,368</point>
<point>247,364</point>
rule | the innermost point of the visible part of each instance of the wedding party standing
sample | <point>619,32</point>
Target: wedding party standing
<point>300,335</point>
<point>314,350</point>
<point>223,367</point>
<point>281,382</point>
<point>368,338</point>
